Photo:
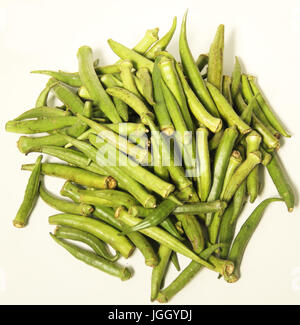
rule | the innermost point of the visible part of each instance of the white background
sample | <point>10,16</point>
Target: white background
<point>46,35</point>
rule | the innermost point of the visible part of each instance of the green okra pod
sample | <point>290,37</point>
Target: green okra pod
<point>145,80</point>
<point>125,53</point>
<point>253,141</point>
<point>42,112</point>
<point>161,236</point>
<point>241,173</point>
<point>202,61</point>
<point>226,111</point>
<point>240,243</point>
<point>187,275</point>
<point>274,121</point>
<point>201,207</point>
<point>214,124</point>
<point>40,125</point>
<point>160,106</point>
<point>159,270</point>
<point>132,101</point>
<point>204,183</point>
<point>64,205</point>
<point>94,260</point>
<point>215,59</point>
<point>97,228</point>
<point>220,164</point>
<point>248,95</point>
<point>151,36</point>
<point>171,78</point>
<point>109,81</point>
<point>43,96</point>
<point>74,174</point>
<point>97,245</point>
<point>69,78</point>
<point>90,80</point>
<point>281,182</point>
<point>30,196</point>
<point>192,72</point>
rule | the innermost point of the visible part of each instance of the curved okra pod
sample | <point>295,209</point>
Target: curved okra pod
<point>145,80</point>
<point>98,246</point>
<point>214,124</point>
<point>253,159</point>
<point>43,96</point>
<point>161,236</point>
<point>74,174</point>
<point>111,69</point>
<point>241,240</point>
<point>215,59</point>
<point>158,272</point>
<point>266,109</point>
<point>141,155</point>
<point>187,275</point>
<point>94,260</point>
<point>90,80</point>
<point>97,228</point>
<point>132,101</point>
<point>204,183</point>
<point>109,81</point>
<point>69,78</point>
<point>151,36</point>
<point>202,61</point>
<point>42,112</point>
<point>171,78</point>
<point>281,182</point>
<point>160,106</point>
<point>162,43</point>
<point>253,141</point>
<point>248,95</point>
<point>192,72</point>
<point>220,164</point>
<point>30,196</point>
<point>64,205</point>
<point>226,111</point>
<point>40,125</point>
<point>125,53</point>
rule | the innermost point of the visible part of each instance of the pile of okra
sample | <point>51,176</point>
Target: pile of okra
<point>158,156</point>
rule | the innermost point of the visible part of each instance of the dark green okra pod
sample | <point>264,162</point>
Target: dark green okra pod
<point>30,196</point>
<point>240,243</point>
<point>94,260</point>
<point>98,246</point>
